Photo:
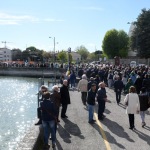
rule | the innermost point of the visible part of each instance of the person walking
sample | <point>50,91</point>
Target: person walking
<point>128,85</point>
<point>43,89</point>
<point>118,86</point>
<point>83,87</point>
<point>48,120</point>
<point>138,83</point>
<point>110,79</point>
<point>65,98</point>
<point>56,99</point>
<point>91,102</point>
<point>144,99</point>
<point>72,79</point>
<point>133,105</point>
<point>101,98</point>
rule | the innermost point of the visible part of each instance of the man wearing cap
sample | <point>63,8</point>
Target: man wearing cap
<point>91,102</point>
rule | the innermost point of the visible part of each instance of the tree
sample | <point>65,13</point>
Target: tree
<point>140,39</point>
<point>32,53</point>
<point>70,58</point>
<point>16,54</point>
<point>115,43</point>
<point>46,55</point>
<point>31,48</point>
<point>92,56</point>
<point>83,52</point>
<point>123,43</point>
<point>62,56</point>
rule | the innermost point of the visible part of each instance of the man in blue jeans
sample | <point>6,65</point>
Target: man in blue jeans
<point>91,102</point>
<point>49,116</point>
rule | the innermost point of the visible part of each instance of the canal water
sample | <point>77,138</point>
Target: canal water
<point>18,105</point>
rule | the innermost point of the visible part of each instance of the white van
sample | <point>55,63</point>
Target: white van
<point>133,64</point>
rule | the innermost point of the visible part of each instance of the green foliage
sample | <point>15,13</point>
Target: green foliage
<point>62,56</point>
<point>70,58</point>
<point>31,48</point>
<point>92,56</point>
<point>83,52</point>
<point>16,54</point>
<point>115,43</point>
<point>140,39</point>
<point>47,55</point>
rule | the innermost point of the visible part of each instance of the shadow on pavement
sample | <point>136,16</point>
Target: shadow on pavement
<point>148,112</point>
<point>110,138</point>
<point>116,129</point>
<point>64,134</point>
<point>143,136</point>
<point>107,111</point>
<point>147,128</point>
<point>72,128</point>
<point>123,106</point>
<point>58,145</point>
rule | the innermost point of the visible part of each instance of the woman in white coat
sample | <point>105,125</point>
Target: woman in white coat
<point>133,105</point>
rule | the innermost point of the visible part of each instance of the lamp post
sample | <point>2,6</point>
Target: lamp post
<point>54,57</point>
<point>69,51</point>
<point>54,48</point>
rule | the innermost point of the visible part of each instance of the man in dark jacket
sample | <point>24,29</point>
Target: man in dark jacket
<point>91,102</point>
<point>101,98</point>
<point>144,105</point>
<point>91,82</point>
<point>146,83</point>
<point>118,86</point>
<point>65,98</point>
<point>49,116</point>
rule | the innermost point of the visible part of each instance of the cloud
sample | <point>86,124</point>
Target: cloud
<point>7,19</point>
<point>8,22</point>
<point>53,20</point>
<point>92,8</point>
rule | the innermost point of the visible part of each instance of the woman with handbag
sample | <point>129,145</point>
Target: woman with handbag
<point>133,105</point>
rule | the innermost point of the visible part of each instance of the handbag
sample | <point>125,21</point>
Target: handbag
<point>126,103</point>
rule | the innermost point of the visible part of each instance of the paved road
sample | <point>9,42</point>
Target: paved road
<point>113,133</point>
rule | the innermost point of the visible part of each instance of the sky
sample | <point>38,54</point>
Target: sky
<point>25,23</point>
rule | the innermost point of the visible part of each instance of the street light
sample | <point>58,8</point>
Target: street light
<point>69,51</point>
<point>54,47</point>
<point>54,55</point>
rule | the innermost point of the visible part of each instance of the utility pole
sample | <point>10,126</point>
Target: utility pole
<point>69,51</point>
<point>5,43</point>
<point>54,61</point>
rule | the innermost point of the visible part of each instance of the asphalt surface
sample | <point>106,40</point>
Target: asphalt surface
<point>113,133</point>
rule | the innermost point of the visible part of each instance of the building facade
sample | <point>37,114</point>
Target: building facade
<point>5,55</point>
<point>131,53</point>
<point>75,56</point>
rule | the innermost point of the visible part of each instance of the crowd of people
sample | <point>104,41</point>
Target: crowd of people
<point>48,111</point>
<point>134,83</point>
